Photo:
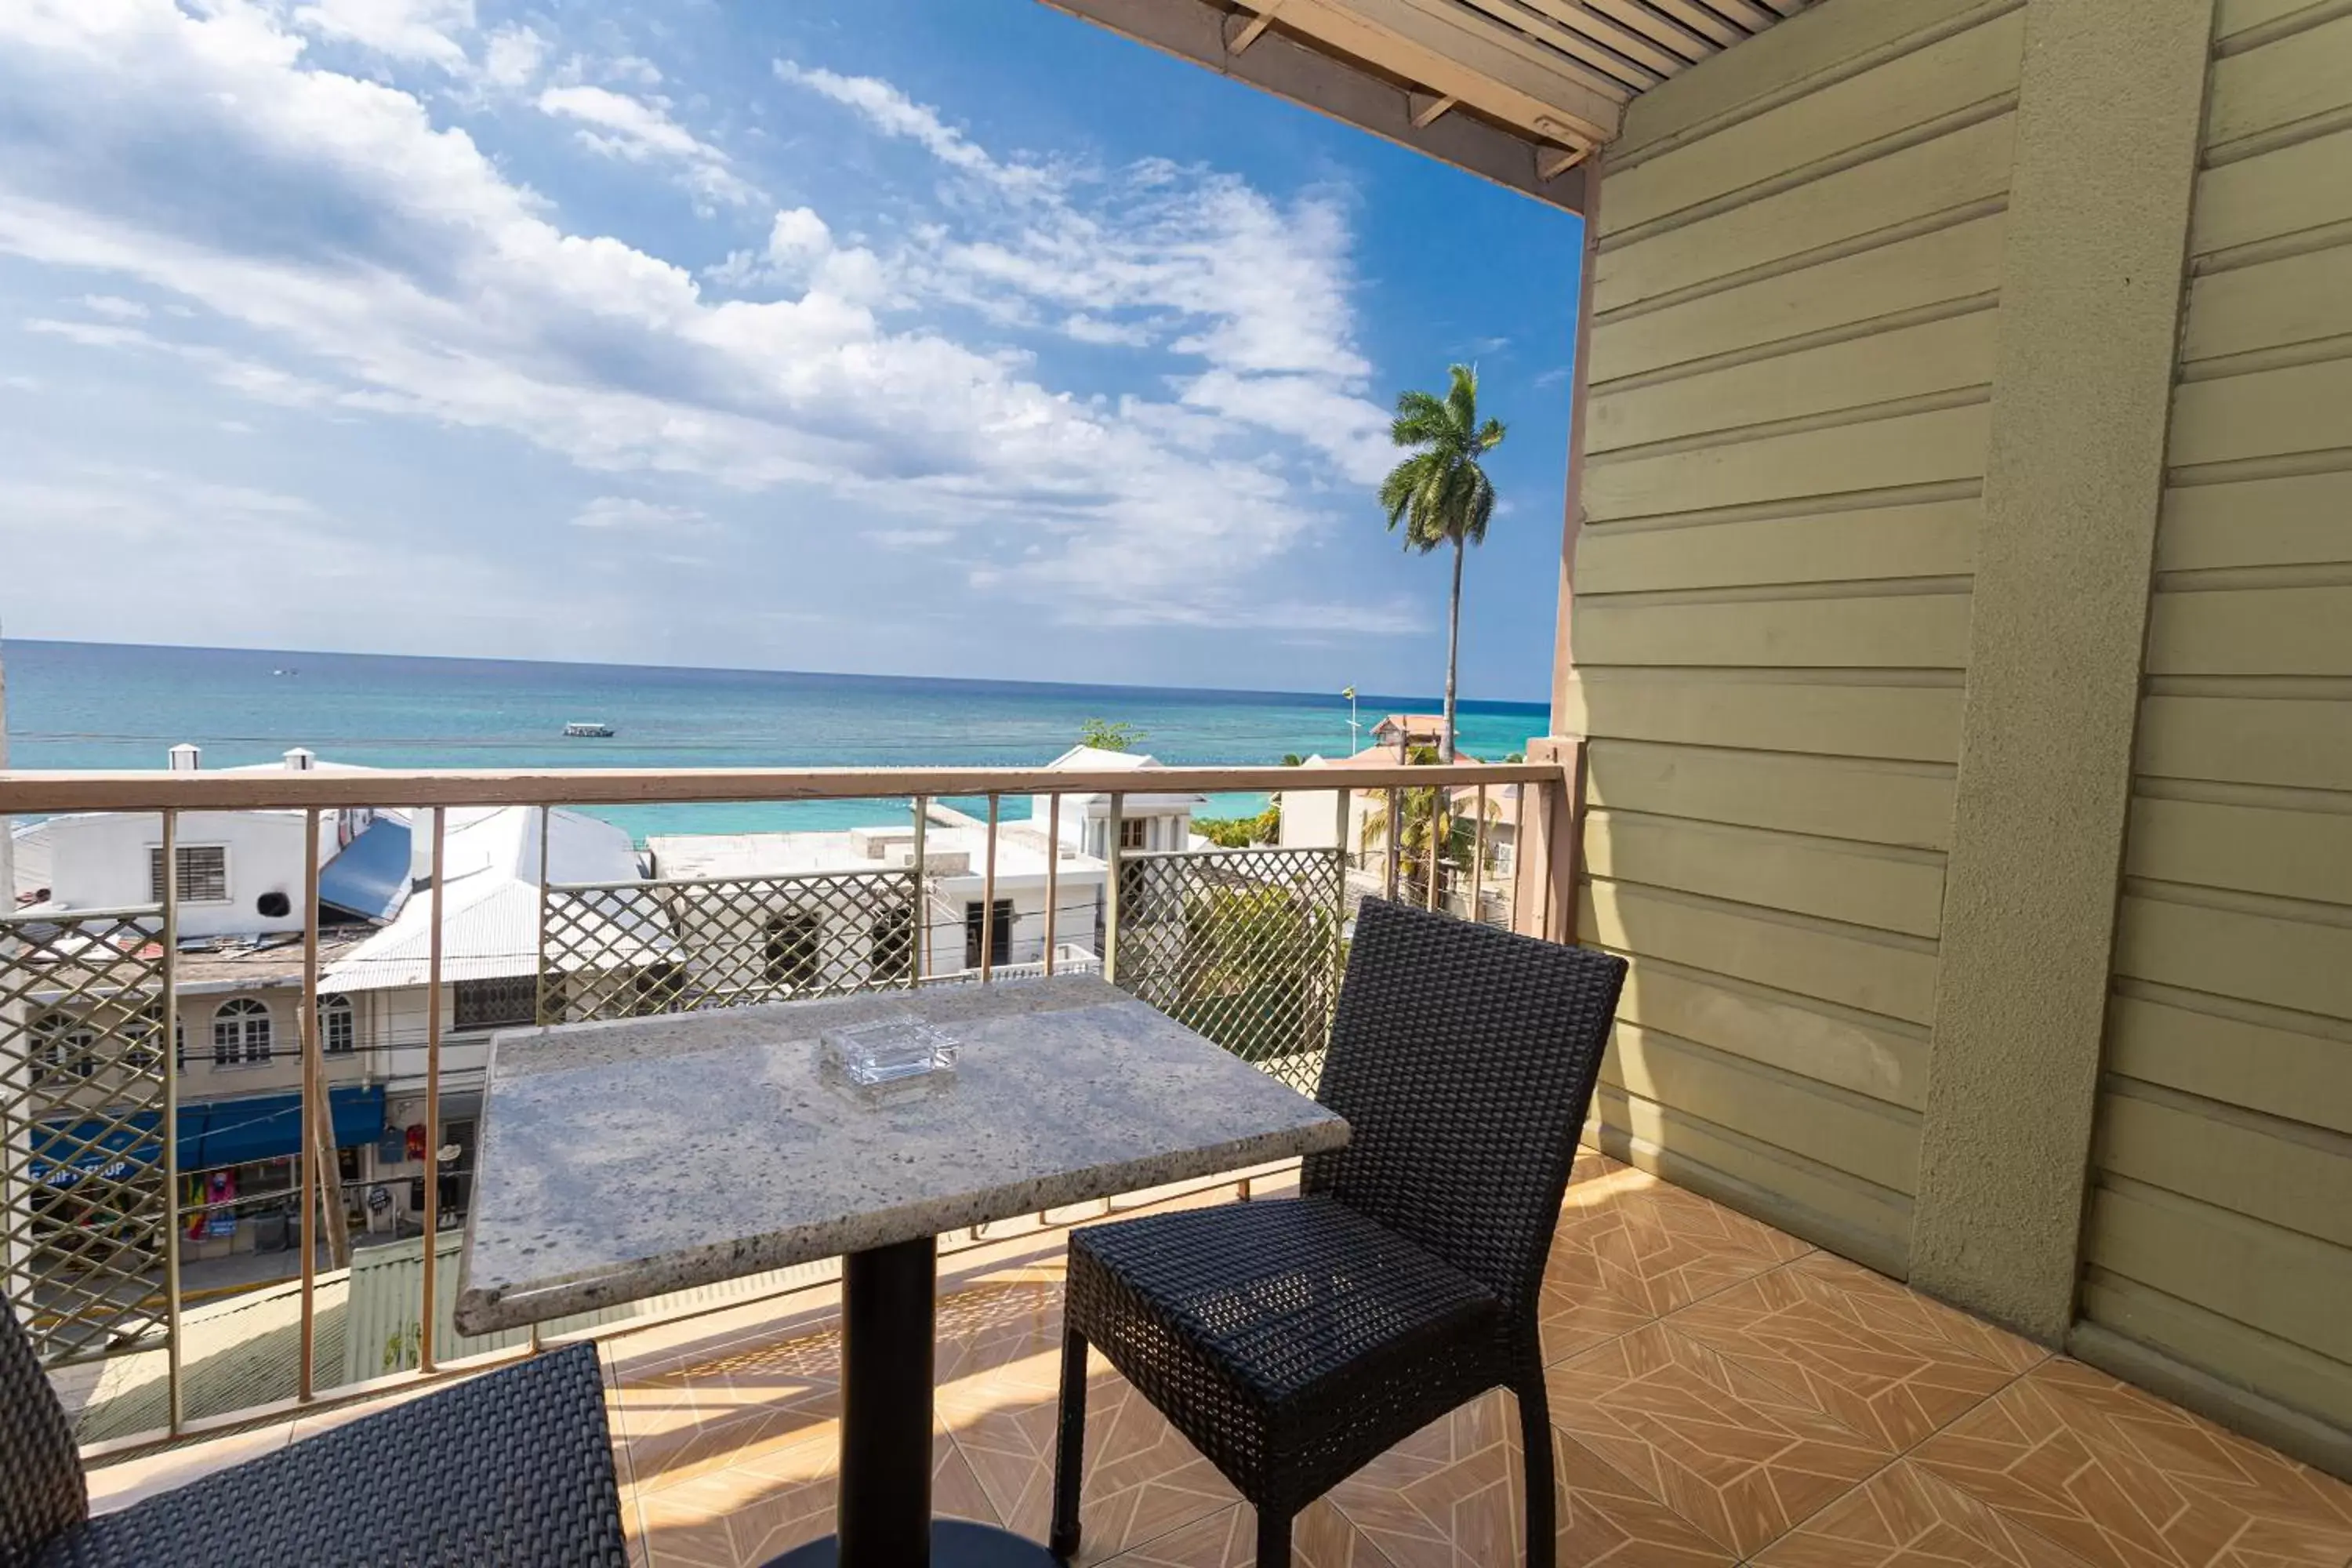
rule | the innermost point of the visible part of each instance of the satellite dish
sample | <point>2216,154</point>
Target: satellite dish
<point>447,1151</point>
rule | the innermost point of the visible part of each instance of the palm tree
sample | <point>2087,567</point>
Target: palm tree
<point>1440,493</point>
<point>1430,822</point>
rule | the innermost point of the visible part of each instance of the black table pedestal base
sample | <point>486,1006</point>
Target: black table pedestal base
<point>883,1512</point>
<point>954,1544</point>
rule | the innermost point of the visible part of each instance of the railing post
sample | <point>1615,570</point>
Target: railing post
<point>1395,846</point>
<point>1053,872</point>
<point>922,907</point>
<point>1110,886</point>
<point>312,1177</point>
<point>1479,858</point>
<point>1440,799</point>
<point>427,1352</point>
<point>988,897</point>
<point>169,1126</point>
<point>1552,828</point>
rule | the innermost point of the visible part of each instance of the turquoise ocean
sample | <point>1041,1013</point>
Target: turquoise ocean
<point>102,705</point>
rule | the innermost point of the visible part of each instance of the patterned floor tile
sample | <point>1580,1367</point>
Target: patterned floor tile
<point>1887,1362</point>
<point>1630,1249</point>
<point>1905,1518</point>
<point>2123,1480</point>
<point>1607,1521</point>
<point>1319,1538</point>
<point>1732,1452</point>
<point>1448,1496</point>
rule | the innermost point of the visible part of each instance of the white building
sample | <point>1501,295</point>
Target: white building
<point>816,911</point>
<point>1148,819</point>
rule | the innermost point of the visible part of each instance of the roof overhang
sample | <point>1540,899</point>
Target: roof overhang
<point>1521,92</point>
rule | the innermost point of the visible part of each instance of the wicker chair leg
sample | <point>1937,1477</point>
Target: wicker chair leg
<point>1273,1538</point>
<point>1070,1445</point>
<point>1535,1442</point>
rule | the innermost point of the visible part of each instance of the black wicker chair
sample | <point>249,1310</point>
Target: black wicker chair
<point>1293,1342</point>
<point>512,1468</point>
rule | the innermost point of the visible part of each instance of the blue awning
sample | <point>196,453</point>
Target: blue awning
<point>370,877</point>
<point>221,1133</point>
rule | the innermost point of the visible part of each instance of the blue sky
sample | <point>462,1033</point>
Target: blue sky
<point>944,337</point>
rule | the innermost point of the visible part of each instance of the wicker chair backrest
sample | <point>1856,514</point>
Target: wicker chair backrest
<point>41,1487</point>
<point>1464,1058</point>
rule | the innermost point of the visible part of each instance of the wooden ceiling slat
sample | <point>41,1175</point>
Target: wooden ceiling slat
<point>1577,45</point>
<point>1638,48</point>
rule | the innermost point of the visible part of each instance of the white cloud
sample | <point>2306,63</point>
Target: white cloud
<point>513,56</point>
<point>631,513</point>
<point>640,131</point>
<point>390,267</point>
<point>115,306</point>
<point>426,30</point>
<point>893,113</point>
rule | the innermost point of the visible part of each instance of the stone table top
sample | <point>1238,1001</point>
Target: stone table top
<point>622,1160</point>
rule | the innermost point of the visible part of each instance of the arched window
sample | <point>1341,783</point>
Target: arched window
<point>338,1029</point>
<point>240,1031</point>
<point>63,1046</point>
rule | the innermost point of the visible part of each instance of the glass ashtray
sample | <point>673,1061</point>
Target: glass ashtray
<point>889,1050</point>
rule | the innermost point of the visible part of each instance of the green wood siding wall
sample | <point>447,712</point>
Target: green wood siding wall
<point>2219,1230</point>
<point>1794,310</point>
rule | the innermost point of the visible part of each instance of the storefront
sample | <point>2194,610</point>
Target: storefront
<point>237,1160</point>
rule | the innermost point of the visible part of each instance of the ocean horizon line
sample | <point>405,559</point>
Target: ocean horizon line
<point>1367,701</point>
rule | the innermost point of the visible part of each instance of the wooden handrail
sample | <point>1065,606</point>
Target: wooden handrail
<point>25,791</point>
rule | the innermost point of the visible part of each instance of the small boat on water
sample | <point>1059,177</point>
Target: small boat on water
<point>587,730</point>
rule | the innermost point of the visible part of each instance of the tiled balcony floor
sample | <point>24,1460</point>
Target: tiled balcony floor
<point>1721,1393</point>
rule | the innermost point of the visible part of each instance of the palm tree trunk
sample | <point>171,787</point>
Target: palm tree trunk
<point>1452,645</point>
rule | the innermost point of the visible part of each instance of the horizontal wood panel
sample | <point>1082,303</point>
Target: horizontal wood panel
<point>2257,1274</point>
<point>1908,90</point>
<point>2284,1072</point>
<point>1936,539</point>
<point>1873,454</point>
<point>1912,723</point>
<point>1867,1059</point>
<point>1775,870</point>
<point>2288,1372</point>
<point>2234,16</point>
<point>2290,522</point>
<point>2252,631</point>
<point>1952,170</point>
<point>2294,299</point>
<point>2280,1181</point>
<point>1899,982</point>
<point>1877,1143</point>
<point>1962,262</point>
<point>2303,964</point>
<point>2254,849</point>
<point>1802,1197</point>
<point>2266,413</point>
<point>2248,740</point>
<point>1910,361</point>
<point>1902,631</point>
<point>2292,78</point>
<point>2280,192</point>
<point>1833,797</point>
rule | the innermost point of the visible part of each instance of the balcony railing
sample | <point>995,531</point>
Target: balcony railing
<point>101,1223</point>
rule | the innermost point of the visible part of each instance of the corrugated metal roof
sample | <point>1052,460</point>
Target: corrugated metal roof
<point>234,1354</point>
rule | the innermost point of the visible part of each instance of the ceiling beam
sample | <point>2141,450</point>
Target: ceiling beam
<point>1426,108</point>
<point>1369,91</point>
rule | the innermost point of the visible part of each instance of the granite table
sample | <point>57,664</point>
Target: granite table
<point>622,1160</point>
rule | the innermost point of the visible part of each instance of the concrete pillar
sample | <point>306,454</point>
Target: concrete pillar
<point>2109,114</point>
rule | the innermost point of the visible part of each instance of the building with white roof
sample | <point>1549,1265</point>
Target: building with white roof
<point>1148,819</point>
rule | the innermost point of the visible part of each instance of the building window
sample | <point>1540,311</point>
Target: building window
<point>240,1031</point>
<point>204,873</point>
<point>338,1026</point>
<point>63,1047</point>
<point>795,947</point>
<point>1134,832</point>
<point>502,1002</point>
